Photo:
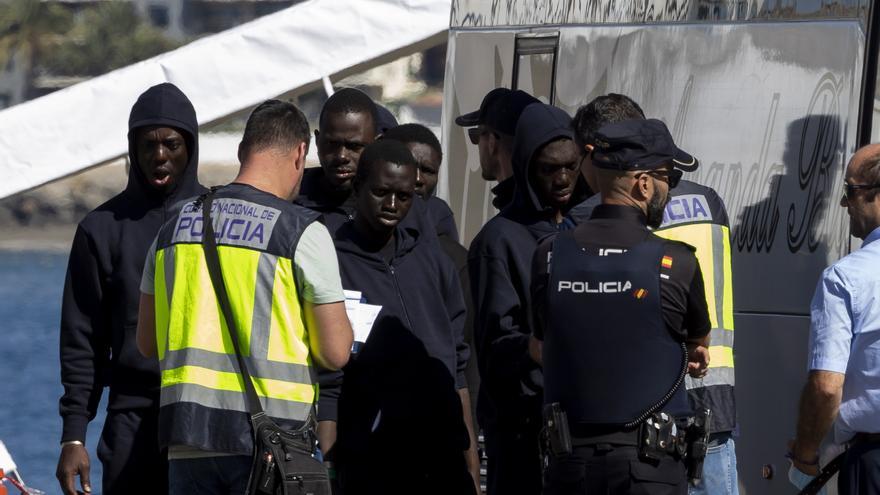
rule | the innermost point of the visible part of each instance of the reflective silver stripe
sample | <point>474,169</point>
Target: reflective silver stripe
<point>715,376</point>
<point>258,368</point>
<point>718,272</point>
<point>720,336</point>
<point>232,401</point>
<point>262,317</point>
<point>168,265</point>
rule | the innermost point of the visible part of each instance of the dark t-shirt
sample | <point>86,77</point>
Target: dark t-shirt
<point>682,295</point>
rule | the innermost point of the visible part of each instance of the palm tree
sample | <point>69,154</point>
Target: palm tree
<point>27,29</point>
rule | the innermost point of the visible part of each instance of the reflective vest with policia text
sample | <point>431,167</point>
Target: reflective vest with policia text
<point>696,215</point>
<point>202,401</point>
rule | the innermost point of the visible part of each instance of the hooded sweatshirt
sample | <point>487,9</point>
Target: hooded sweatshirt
<point>102,289</point>
<point>415,357</point>
<point>431,215</point>
<point>499,263</point>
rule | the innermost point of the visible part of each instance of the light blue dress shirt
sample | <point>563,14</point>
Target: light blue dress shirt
<point>845,335</point>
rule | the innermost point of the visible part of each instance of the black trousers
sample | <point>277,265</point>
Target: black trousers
<point>129,453</point>
<point>514,461</point>
<point>860,473</point>
<point>611,470</point>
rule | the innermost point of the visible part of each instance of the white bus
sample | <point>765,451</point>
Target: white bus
<point>773,97</point>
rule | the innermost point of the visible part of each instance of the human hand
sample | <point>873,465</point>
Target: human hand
<point>698,360</point>
<point>74,461</point>
<point>806,462</point>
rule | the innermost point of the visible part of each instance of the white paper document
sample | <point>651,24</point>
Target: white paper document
<point>360,314</point>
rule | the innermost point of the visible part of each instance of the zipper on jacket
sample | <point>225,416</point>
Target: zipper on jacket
<point>399,294</point>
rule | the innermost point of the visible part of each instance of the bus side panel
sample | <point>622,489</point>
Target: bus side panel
<point>767,394</point>
<point>769,109</point>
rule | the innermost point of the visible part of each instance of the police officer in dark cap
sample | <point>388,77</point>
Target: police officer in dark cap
<point>619,317</point>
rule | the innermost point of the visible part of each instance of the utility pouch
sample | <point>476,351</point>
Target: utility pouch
<point>698,444</point>
<point>283,463</point>
<point>555,431</point>
<point>658,437</point>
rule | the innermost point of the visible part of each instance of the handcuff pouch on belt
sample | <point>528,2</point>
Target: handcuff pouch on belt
<point>662,435</point>
<point>659,436</point>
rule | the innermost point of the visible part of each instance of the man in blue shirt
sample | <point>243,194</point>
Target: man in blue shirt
<point>843,387</point>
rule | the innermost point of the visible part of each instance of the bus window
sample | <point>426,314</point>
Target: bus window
<point>534,66</point>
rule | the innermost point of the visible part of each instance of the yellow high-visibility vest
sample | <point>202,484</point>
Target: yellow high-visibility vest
<point>202,396</point>
<point>695,215</point>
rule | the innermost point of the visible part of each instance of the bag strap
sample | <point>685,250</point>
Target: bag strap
<point>830,469</point>
<point>212,258</point>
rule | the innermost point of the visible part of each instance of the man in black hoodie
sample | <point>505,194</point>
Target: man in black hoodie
<point>425,148</point>
<point>347,124</point>
<point>404,418</point>
<point>350,121</point>
<point>100,303</point>
<point>548,183</point>
<point>491,129</point>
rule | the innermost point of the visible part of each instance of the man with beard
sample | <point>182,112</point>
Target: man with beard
<point>619,316</point>
<point>403,413</point>
<point>548,183</point>
<point>695,214</point>
<point>100,305</point>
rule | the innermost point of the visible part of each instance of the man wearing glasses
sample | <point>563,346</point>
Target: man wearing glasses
<point>614,308</point>
<point>491,129</point>
<point>845,346</point>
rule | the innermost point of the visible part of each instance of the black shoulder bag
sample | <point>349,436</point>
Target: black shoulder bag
<point>283,462</point>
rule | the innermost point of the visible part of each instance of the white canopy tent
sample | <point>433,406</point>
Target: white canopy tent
<point>302,47</point>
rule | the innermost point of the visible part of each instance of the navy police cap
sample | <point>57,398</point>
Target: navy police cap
<point>643,144</point>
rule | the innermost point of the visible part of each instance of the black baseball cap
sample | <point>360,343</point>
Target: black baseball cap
<point>478,117</point>
<point>641,144</point>
<point>504,113</point>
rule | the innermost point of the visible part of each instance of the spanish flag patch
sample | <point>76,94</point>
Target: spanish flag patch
<point>640,293</point>
<point>666,262</point>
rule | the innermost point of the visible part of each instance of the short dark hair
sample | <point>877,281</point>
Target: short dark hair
<point>384,150</point>
<point>348,100</point>
<point>607,109</point>
<point>414,133</point>
<point>273,124</point>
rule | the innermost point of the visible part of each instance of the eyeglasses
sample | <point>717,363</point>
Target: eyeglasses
<point>849,190</point>
<point>672,177</point>
<point>474,134</point>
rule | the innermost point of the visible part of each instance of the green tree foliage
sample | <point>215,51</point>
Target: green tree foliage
<point>104,37</point>
<point>28,31</point>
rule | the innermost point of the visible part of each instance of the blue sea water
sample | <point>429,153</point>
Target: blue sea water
<point>31,284</point>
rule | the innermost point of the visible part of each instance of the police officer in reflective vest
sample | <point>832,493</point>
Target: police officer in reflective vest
<point>697,216</point>
<point>620,317</point>
<point>285,294</point>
